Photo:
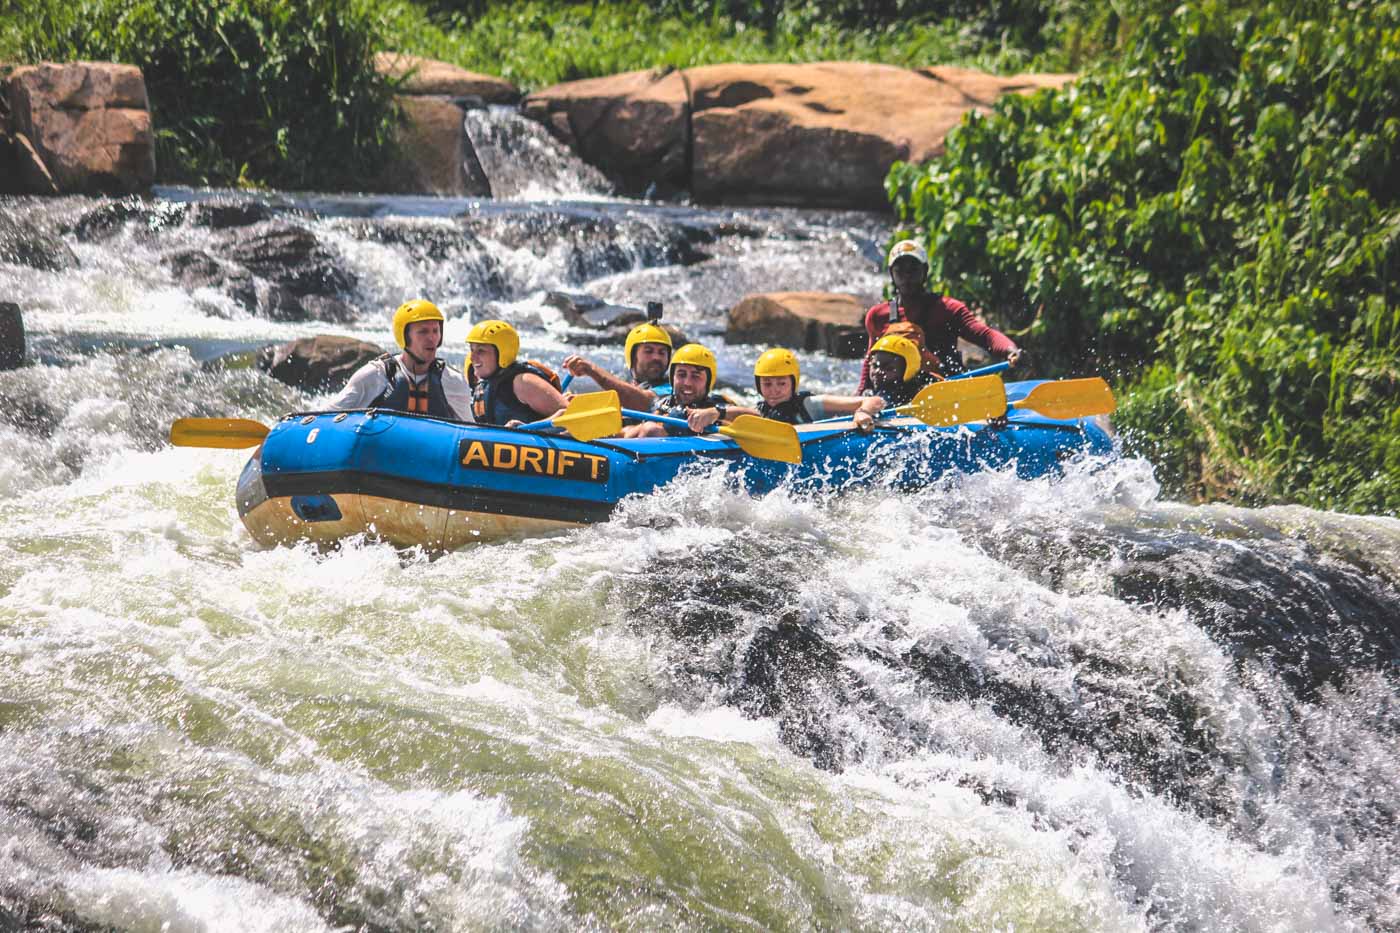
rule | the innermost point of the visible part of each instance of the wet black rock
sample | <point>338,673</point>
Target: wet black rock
<point>194,268</point>
<point>11,335</point>
<point>224,215</point>
<point>24,244</point>
<point>291,257</point>
<point>316,364</point>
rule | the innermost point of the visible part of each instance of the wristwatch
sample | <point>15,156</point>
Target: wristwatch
<point>722,408</point>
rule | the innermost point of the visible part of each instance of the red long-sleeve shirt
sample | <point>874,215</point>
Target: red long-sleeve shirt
<point>943,320</point>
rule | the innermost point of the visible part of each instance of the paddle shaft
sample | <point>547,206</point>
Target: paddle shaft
<point>663,419</point>
<point>1001,367</point>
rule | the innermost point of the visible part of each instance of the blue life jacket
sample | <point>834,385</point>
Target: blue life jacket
<point>668,406</point>
<point>421,398</point>
<point>494,400</point>
<point>793,411</point>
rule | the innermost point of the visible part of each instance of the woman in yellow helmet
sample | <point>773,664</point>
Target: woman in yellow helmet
<point>776,375</point>
<point>895,368</point>
<point>648,352</point>
<point>507,390</point>
<point>693,373</point>
<point>415,380</point>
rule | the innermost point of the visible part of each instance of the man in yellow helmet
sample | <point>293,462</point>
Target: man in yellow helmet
<point>415,380</point>
<point>648,352</point>
<point>507,390</point>
<point>776,375</point>
<point>693,372</point>
<point>895,368</point>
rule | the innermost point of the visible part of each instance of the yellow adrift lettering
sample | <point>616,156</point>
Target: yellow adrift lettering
<point>595,460</point>
<point>549,463</point>
<point>566,460</point>
<point>531,458</point>
<point>476,453</point>
<point>501,462</point>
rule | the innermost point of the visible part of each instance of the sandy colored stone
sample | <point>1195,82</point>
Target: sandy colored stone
<point>87,124</point>
<point>633,126</point>
<point>823,321</point>
<point>822,133</point>
<point>428,77</point>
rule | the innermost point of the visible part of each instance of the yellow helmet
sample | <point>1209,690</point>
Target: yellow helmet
<point>692,354</point>
<point>645,332</point>
<point>411,312</point>
<point>901,346</point>
<point>500,335</point>
<point>777,362</point>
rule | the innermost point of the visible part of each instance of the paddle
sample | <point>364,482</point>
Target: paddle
<point>1001,367</point>
<point>591,415</point>
<point>758,437</point>
<point>224,433</point>
<point>564,384</point>
<point>1070,398</point>
<point>948,403</point>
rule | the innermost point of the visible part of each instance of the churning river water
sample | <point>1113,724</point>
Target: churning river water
<point>991,705</point>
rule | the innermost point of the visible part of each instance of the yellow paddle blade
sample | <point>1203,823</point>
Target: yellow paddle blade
<point>1070,398</point>
<point>764,438</point>
<point>958,401</point>
<point>591,415</point>
<point>226,433</point>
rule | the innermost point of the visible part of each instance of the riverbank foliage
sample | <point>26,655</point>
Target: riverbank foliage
<point>252,91</point>
<point>1212,217</point>
<point>538,42</point>
<point>285,95</point>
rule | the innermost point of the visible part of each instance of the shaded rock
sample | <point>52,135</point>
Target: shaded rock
<point>27,173</point>
<point>331,310</point>
<point>322,363</point>
<point>107,219</point>
<point>222,215</point>
<point>194,269</point>
<point>11,335</point>
<point>88,124</point>
<point>616,335</point>
<point>634,126</point>
<point>434,154</point>
<point>589,311</point>
<point>424,76</point>
<point>822,321</point>
<point>291,257</point>
<point>24,244</point>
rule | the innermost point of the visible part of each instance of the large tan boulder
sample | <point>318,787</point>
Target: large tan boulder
<point>823,133</point>
<point>832,323</point>
<point>826,132</point>
<point>634,126</point>
<point>426,77</point>
<point>88,125</point>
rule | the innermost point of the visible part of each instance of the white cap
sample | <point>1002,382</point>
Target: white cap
<point>909,248</point>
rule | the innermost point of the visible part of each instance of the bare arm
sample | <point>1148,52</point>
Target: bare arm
<point>538,394</point>
<point>863,409</point>
<point>630,395</point>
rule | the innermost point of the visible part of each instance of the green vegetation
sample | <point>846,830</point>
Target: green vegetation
<point>1213,217</point>
<point>537,43</point>
<point>242,91</point>
<point>284,94</point>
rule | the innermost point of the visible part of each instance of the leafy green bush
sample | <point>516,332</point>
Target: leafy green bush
<point>541,42</point>
<point>1212,217</point>
<point>252,91</point>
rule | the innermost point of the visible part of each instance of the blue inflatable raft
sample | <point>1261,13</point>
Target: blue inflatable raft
<point>419,481</point>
